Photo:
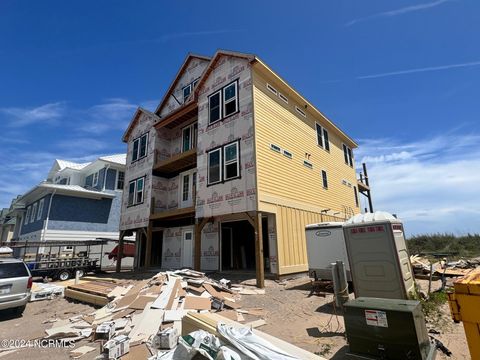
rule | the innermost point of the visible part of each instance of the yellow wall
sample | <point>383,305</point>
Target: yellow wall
<point>285,186</point>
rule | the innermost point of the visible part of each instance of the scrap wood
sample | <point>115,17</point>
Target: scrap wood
<point>231,304</point>
<point>197,303</point>
<point>86,297</point>
<point>252,311</point>
<point>122,313</point>
<point>147,325</point>
<point>140,302</point>
<point>256,323</point>
<point>137,352</point>
<point>165,299</point>
<point>82,350</point>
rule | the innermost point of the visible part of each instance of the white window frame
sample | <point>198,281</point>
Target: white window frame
<point>307,164</point>
<point>220,177</point>
<point>234,99</point>
<point>189,86</point>
<point>301,112</point>
<point>237,160</point>
<point>132,203</point>
<point>95,179</point>
<point>272,89</point>
<point>275,148</point>
<point>27,216</point>
<point>185,191</point>
<point>283,97</point>
<point>41,204</point>
<point>142,179</point>
<point>318,128</point>
<point>287,154</point>
<point>324,179</point>
<point>135,153</point>
<point>140,156</point>
<point>193,136</point>
<point>347,155</point>
<point>33,213</point>
<point>210,121</point>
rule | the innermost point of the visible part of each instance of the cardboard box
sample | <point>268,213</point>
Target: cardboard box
<point>105,330</point>
<point>166,339</point>
<point>116,347</point>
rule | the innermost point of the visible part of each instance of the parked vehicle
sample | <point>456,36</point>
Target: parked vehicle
<point>61,259</point>
<point>15,284</point>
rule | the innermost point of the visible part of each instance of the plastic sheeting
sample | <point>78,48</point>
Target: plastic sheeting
<point>251,344</point>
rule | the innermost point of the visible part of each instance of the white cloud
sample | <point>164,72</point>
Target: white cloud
<point>114,114</point>
<point>45,114</point>
<point>417,70</point>
<point>432,184</point>
<point>400,11</point>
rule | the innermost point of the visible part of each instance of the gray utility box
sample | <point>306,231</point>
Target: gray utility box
<point>326,245</point>
<point>378,256</point>
<point>387,329</point>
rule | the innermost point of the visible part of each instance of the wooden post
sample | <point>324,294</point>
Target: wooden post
<point>148,250</point>
<point>259,251</point>
<point>120,252</point>
<point>199,225</point>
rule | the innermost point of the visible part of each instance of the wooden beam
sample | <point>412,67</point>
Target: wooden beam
<point>148,250</point>
<point>259,251</point>
<point>120,252</point>
<point>198,242</point>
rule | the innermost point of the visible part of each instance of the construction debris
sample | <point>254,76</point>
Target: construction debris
<point>145,320</point>
<point>422,266</point>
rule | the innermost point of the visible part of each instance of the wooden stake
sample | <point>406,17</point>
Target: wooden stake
<point>259,251</point>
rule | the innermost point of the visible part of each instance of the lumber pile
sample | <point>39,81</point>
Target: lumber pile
<point>421,266</point>
<point>148,318</point>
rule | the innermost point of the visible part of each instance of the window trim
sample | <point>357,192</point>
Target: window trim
<point>287,154</point>
<point>272,89</point>
<point>222,163</point>
<point>308,164</point>
<point>33,214</point>
<point>135,191</point>
<point>41,204</point>
<point>95,180</point>
<point>324,179</point>
<point>138,139</point>
<point>117,179</point>
<point>222,104</point>
<point>27,215</point>
<point>301,112</point>
<point>193,136</point>
<point>347,156</point>
<point>325,145</point>
<point>189,86</point>
<point>237,160</point>
<point>283,97</point>
<point>275,148</point>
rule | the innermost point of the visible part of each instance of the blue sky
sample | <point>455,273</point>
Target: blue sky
<point>401,77</point>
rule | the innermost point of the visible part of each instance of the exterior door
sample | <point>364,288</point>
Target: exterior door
<point>187,186</point>
<point>187,249</point>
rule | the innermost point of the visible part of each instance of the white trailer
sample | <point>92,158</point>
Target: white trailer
<point>326,245</point>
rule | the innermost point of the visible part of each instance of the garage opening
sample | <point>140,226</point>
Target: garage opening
<point>156,254</point>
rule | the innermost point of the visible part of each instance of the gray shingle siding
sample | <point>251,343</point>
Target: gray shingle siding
<point>36,224</point>
<point>76,209</point>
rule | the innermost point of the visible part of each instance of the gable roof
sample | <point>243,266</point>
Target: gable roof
<point>134,120</point>
<point>120,159</point>
<point>188,58</point>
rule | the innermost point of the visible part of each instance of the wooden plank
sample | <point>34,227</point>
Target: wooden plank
<point>137,352</point>
<point>86,297</point>
<point>140,302</point>
<point>197,303</point>
<point>260,271</point>
<point>147,325</point>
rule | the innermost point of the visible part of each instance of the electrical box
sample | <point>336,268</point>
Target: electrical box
<point>326,245</point>
<point>387,329</point>
<point>378,256</point>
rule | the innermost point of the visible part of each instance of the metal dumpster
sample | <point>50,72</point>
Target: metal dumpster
<point>464,304</point>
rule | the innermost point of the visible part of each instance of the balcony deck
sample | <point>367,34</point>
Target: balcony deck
<point>176,164</point>
<point>362,186</point>
<point>174,214</point>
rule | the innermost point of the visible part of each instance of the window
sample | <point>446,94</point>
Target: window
<point>283,97</point>
<point>231,163</point>
<point>322,137</point>
<point>272,89</point>
<point>324,179</point>
<point>131,193</point>
<point>189,137</point>
<point>68,248</point>
<point>187,90</point>
<point>224,163</point>
<point>34,212</point>
<point>230,99</point>
<point>347,155</point>
<point>214,168</point>
<point>120,180</point>
<point>355,193</point>
<point>186,184</point>
<point>27,217</point>
<point>135,191</point>
<point>140,147</point>
<point>300,111</point>
<point>95,179</point>
<point>40,209</point>
<point>143,146</point>
<point>308,164</point>
<point>140,190</point>
<point>223,103</point>
<point>288,154</point>
<point>275,148</point>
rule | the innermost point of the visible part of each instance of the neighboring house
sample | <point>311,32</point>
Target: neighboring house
<point>229,169</point>
<point>76,202</point>
<point>7,225</point>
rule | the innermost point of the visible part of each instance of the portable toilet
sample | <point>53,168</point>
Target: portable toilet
<point>378,256</point>
<point>326,245</point>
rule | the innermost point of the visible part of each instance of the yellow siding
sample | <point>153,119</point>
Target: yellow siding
<point>291,241</point>
<point>278,176</point>
<point>286,185</point>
